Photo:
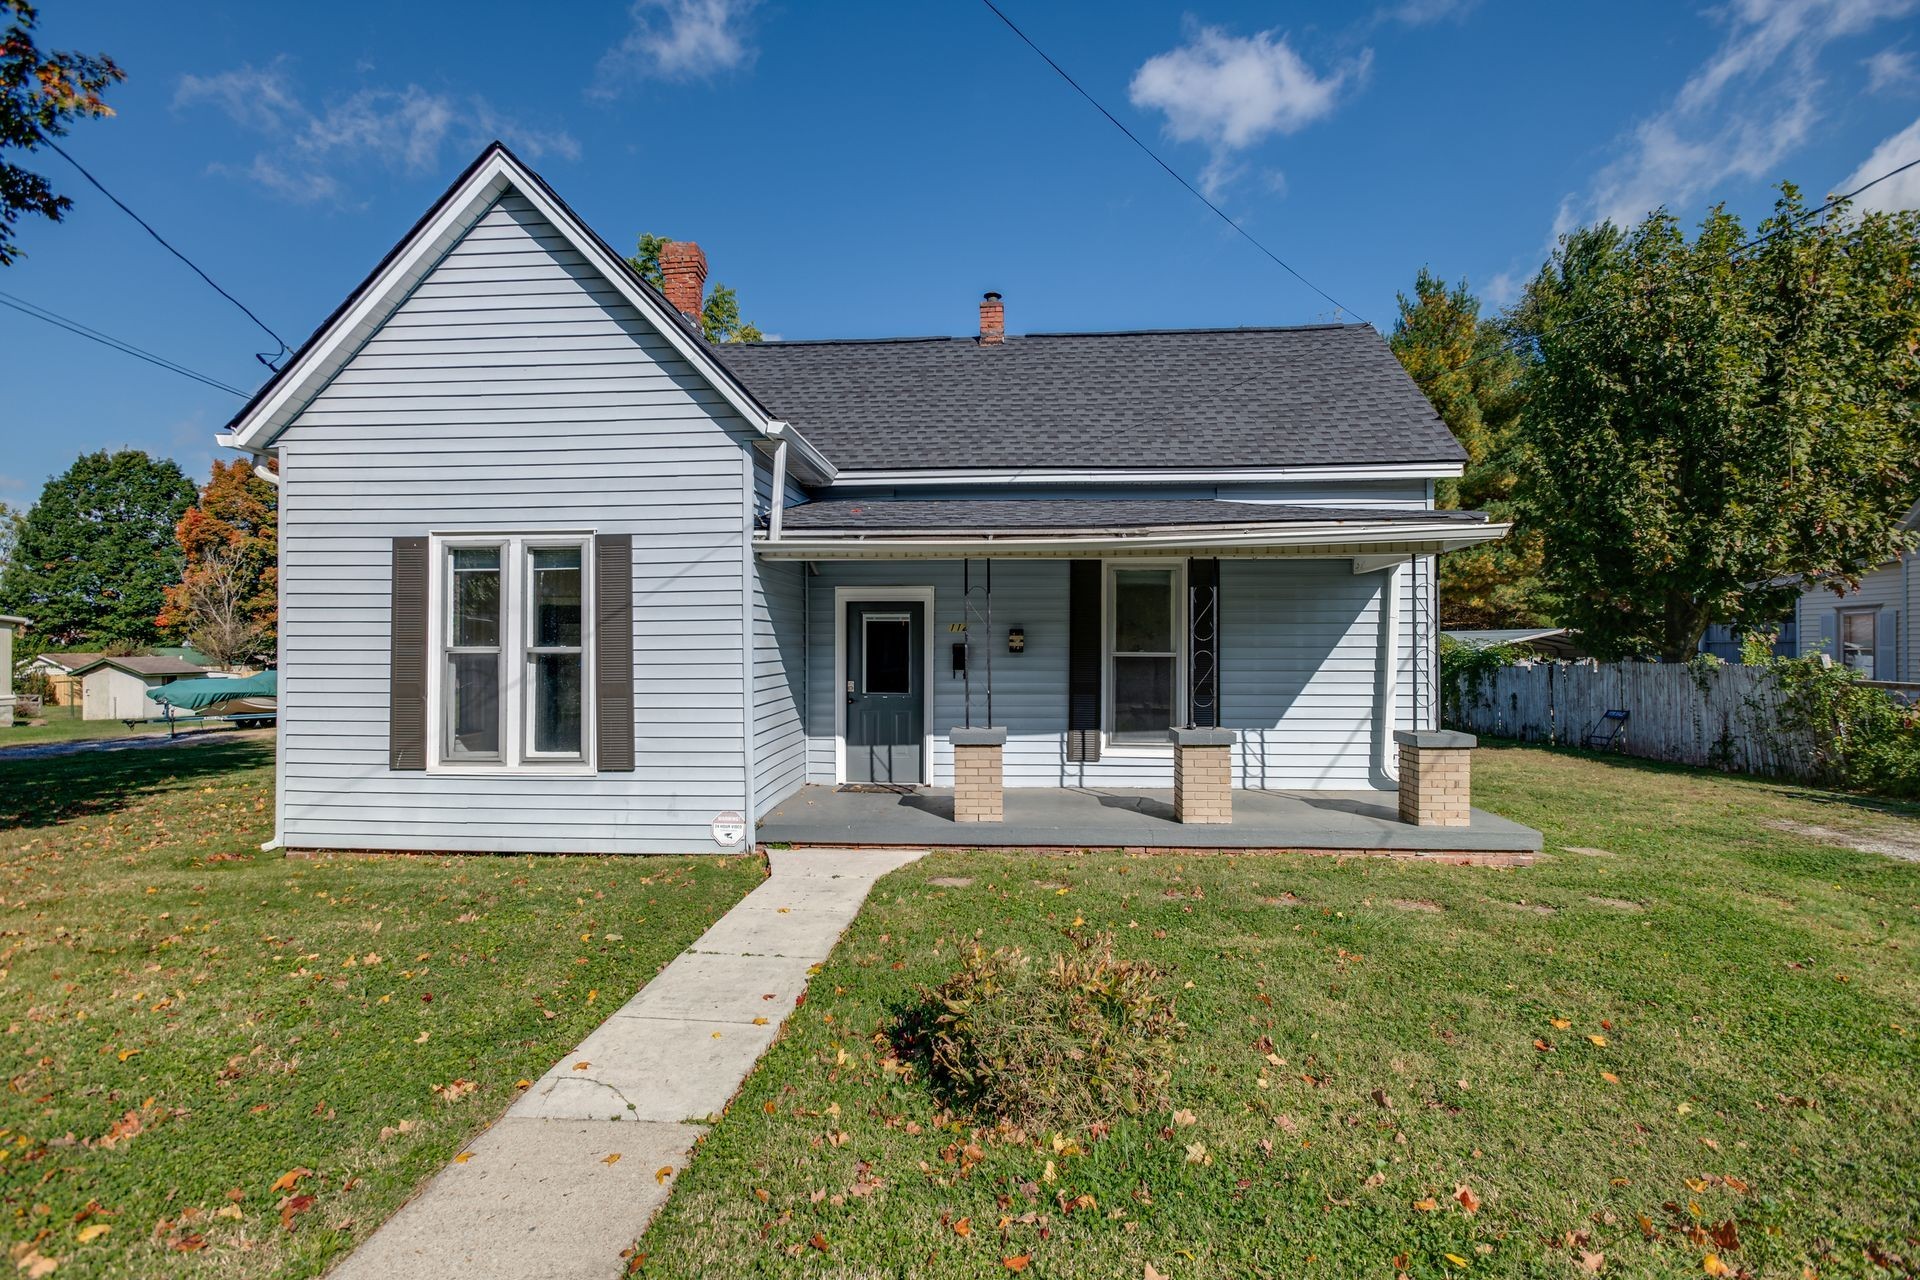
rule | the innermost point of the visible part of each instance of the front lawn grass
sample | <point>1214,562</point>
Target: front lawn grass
<point>1694,1049</point>
<point>60,726</point>
<point>225,1062</point>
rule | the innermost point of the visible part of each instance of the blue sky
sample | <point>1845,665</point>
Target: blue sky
<point>868,168</point>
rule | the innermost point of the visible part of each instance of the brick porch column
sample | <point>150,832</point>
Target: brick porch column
<point>977,774</point>
<point>1203,775</point>
<point>1436,785</point>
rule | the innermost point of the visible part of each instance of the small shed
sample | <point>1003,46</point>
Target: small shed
<point>63,687</point>
<point>8,625</point>
<point>119,688</point>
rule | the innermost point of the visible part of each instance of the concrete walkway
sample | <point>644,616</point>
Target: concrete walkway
<point>569,1176</point>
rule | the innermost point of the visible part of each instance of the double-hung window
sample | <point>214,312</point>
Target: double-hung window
<point>513,626</point>
<point>1144,643</point>
<point>1860,640</point>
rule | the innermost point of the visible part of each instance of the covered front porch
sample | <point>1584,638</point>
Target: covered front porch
<point>1338,822</point>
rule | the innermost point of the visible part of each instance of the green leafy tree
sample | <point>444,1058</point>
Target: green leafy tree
<point>96,554</point>
<point>1465,366</point>
<point>720,318</point>
<point>1708,419</point>
<point>40,94</point>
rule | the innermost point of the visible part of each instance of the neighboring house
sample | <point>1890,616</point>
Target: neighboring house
<point>63,685</point>
<point>119,688</point>
<point>1546,642</point>
<point>8,625</point>
<point>1726,642</point>
<point>557,574</point>
<point>1869,628</point>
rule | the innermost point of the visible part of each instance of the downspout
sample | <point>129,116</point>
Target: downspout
<point>272,477</point>
<point>777,503</point>
<point>1386,677</point>
<point>747,727</point>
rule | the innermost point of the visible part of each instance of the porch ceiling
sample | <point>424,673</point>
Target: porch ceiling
<point>858,527</point>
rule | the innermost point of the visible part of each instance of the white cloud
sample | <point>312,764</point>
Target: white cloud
<point>1902,192</point>
<point>1888,69</point>
<point>1501,288</point>
<point>679,40</point>
<point>1232,92</point>
<point>404,130</point>
<point>1750,105</point>
<point>1425,13</point>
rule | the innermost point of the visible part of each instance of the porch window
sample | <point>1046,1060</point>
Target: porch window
<point>1860,640</point>
<point>1144,620</point>
<point>516,652</point>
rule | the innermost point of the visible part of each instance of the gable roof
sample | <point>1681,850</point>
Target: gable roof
<point>326,351</point>
<point>1319,395</point>
<point>68,662</point>
<point>143,665</point>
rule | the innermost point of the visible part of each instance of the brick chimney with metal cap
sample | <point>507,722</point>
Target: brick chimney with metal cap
<point>683,276</point>
<point>993,320</point>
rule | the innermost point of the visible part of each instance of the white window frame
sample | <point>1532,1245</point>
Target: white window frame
<point>1109,744</point>
<point>516,692</point>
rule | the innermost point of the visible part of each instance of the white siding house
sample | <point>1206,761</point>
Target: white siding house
<point>558,575</point>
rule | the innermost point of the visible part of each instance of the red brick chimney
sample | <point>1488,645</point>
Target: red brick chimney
<point>683,276</point>
<point>993,320</point>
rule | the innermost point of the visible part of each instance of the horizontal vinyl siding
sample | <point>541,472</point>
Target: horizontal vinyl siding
<point>513,391</point>
<point>1886,587</point>
<point>1299,646</point>
<point>779,670</point>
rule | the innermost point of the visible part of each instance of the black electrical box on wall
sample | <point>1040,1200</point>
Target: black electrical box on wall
<point>960,659</point>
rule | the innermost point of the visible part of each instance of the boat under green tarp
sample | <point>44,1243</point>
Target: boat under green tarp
<point>199,694</point>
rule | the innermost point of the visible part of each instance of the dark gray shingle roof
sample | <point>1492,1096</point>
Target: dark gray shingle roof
<point>1319,395</point>
<point>1095,515</point>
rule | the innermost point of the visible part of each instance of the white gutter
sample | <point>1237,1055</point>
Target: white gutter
<point>1387,674</point>
<point>1144,475</point>
<point>271,477</point>
<point>1426,535</point>
<point>812,458</point>
<point>777,504</point>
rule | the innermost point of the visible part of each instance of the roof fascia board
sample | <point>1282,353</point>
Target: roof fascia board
<point>851,478</point>
<point>1406,537</point>
<point>493,176</point>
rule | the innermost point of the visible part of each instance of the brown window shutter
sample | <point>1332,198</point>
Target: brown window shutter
<point>1085,623</point>
<point>613,652</point>
<point>1203,659</point>
<point>407,673</point>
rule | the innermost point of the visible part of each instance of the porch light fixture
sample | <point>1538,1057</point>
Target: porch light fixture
<point>1016,639</point>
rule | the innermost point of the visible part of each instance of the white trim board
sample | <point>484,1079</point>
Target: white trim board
<point>898,478</point>
<point>844,596</point>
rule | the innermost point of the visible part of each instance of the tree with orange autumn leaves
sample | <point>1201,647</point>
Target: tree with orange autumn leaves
<point>227,602</point>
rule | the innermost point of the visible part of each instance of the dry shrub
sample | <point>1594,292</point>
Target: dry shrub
<point>1083,1038</point>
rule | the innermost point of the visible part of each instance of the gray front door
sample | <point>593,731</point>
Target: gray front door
<point>885,679</point>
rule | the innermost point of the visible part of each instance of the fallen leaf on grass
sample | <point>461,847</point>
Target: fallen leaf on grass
<point>1153,1273</point>
<point>92,1233</point>
<point>1426,1206</point>
<point>661,1174</point>
<point>1609,1077</point>
<point>1599,1040</point>
<point>1468,1201</point>
<point>523,1084</point>
<point>1456,1260</point>
<point>289,1180</point>
<point>190,1244</point>
<point>1712,1265</point>
<point>963,1228</point>
<point>1592,1261</point>
<point>1542,1046</point>
<point>33,1264</point>
<point>128,1053</point>
<point>294,1205</point>
<point>819,1242</point>
<point>1560,1024</point>
<point>463,1157</point>
<point>231,1212</point>
<point>1184,1117</point>
<point>1018,1262</point>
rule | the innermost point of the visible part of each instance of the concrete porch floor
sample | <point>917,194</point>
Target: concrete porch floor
<point>1080,818</point>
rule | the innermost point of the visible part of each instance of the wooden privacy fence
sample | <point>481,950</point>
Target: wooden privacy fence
<point>1724,717</point>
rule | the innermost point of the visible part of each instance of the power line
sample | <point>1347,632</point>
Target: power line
<point>26,308</point>
<point>266,358</point>
<point>1171,171</point>
<point>1514,344</point>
